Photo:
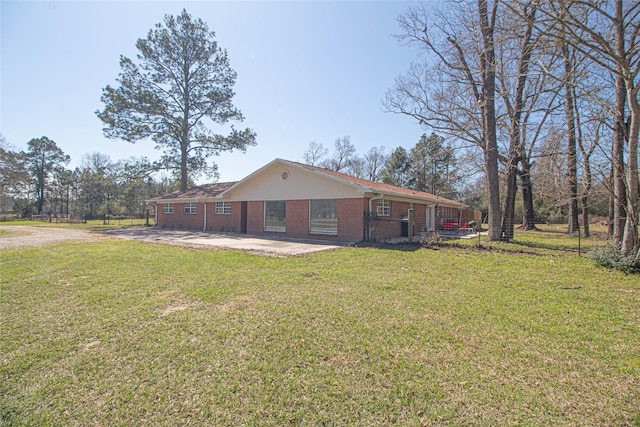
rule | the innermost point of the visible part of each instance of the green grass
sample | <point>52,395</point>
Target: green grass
<point>549,240</point>
<point>128,333</point>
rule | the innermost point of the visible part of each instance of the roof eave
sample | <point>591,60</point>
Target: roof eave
<point>431,200</point>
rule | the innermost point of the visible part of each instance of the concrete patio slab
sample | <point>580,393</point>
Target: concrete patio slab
<point>254,244</point>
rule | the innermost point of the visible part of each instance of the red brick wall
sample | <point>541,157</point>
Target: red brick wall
<point>224,222</point>
<point>350,219</point>
<point>387,227</point>
<point>350,222</point>
<point>255,218</point>
<point>420,217</point>
<point>390,226</point>
<point>181,221</point>
<point>297,219</point>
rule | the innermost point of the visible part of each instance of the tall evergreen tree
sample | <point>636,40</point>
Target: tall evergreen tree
<point>431,165</point>
<point>182,80</point>
<point>396,171</point>
<point>43,156</point>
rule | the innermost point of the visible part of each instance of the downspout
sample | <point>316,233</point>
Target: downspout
<point>377,197</point>
<point>155,214</point>
<point>204,226</point>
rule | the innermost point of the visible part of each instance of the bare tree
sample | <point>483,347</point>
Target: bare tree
<point>520,97</point>
<point>342,157</point>
<point>456,94</point>
<point>315,153</point>
<point>608,33</point>
<point>374,161</point>
<point>570,112</point>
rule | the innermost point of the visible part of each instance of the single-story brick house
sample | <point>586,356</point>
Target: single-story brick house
<point>294,200</point>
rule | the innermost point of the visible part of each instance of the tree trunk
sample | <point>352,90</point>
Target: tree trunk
<point>617,164</point>
<point>508,214</point>
<point>612,203</point>
<point>630,237</point>
<point>516,142</point>
<point>586,189</point>
<point>184,172</point>
<point>586,165</point>
<point>585,214</point>
<point>488,69</point>
<point>528,210</point>
<point>572,165</point>
<point>620,132</point>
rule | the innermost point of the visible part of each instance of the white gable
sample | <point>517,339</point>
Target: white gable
<point>285,181</point>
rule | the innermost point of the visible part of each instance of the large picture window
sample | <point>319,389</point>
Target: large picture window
<point>275,215</point>
<point>323,216</point>
<point>223,208</point>
<point>167,208</point>
<point>190,208</point>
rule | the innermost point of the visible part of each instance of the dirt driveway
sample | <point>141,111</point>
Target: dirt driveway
<point>24,236</point>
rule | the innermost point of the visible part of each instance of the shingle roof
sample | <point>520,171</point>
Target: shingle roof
<point>209,191</point>
<point>379,187</point>
<point>199,192</point>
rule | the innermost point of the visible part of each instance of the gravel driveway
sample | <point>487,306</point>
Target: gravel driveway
<point>23,236</point>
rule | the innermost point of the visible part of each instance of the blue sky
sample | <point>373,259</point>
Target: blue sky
<point>307,71</point>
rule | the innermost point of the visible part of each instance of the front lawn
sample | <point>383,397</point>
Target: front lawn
<point>129,333</point>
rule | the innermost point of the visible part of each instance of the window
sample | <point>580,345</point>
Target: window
<point>190,208</point>
<point>323,216</point>
<point>384,207</point>
<point>223,208</point>
<point>167,209</point>
<point>275,215</point>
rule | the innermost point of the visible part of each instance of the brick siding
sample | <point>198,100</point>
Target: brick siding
<point>386,227</point>
<point>179,220</point>
<point>229,223</point>
<point>350,220</point>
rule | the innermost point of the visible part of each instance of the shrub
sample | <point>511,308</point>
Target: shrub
<point>430,240</point>
<point>609,257</point>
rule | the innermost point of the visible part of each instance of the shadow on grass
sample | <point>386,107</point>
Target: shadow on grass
<point>401,247</point>
<point>549,246</point>
<point>522,248</point>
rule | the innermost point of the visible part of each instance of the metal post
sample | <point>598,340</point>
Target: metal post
<point>410,225</point>
<point>579,241</point>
